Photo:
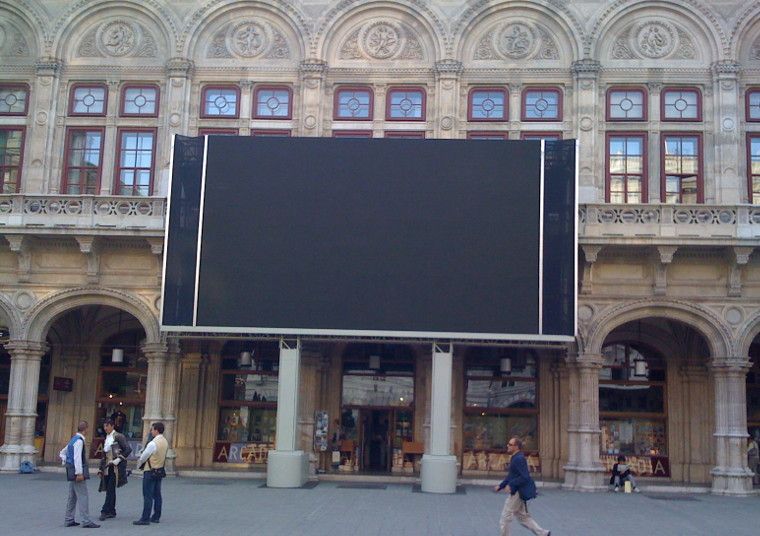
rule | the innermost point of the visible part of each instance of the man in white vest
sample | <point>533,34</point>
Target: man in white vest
<point>152,462</point>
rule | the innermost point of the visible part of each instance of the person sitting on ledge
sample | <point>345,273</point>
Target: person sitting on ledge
<point>622,473</point>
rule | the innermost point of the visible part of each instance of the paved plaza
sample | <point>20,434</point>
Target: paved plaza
<point>34,505</point>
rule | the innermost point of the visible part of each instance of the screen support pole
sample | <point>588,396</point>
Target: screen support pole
<point>287,467</point>
<point>439,466</point>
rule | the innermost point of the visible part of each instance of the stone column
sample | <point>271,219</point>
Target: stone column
<point>22,403</point>
<point>154,386</point>
<point>39,174</point>
<point>439,466</point>
<point>447,73</point>
<point>185,430</point>
<point>731,476</point>
<point>169,404</point>
<point>176,117</point>
<point>286,466</point>
<point>731,188</point>
<point>584,471</point>
<point>585,75</point>
<point>312,73</point>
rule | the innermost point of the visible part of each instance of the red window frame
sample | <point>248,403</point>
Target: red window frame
<point>23,87</point>
<point>487,135</point>
<point>67,157</point>
<point>696,90</point>
<point>644,104</point>
<point>20,165</point>
<point>336,103</point>
<point>538,134</point>
<point>392,90</point>
<point>271,132</point>
<point>751,91</point>
<point>408,134</point>
<point>560,104</point>
<point>123,99</point>
<point>206,89</point>
<point>700,163</point>
<point>752,136</point>
<point>222,131</point>
<point>505,93</point>
<point>79,85</point>
<point>117,161</point>
<point>258,89</point>
<point>608,175</point>
<point>351,133</point>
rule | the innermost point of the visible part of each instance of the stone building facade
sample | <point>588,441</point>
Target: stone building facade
<point>664,98</point>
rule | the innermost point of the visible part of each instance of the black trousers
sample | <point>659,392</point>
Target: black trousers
<point>109,477</point>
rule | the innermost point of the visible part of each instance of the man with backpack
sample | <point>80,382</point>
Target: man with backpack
<point>74,457</point>
<point>521,489</point>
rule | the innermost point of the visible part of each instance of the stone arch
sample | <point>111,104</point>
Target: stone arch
<point>10,317</point>
<point>748,334</point>
<point>745,35</point>
<point>346,17</point>
<point>657,340</point>
<point>477,20</point>
<point>556,37</point>
<point>717,335</point>
<point>284,16</point>
<point>84,16</point>
<point>44,313</point>
<point>21,32</point>
<point>690,15</point>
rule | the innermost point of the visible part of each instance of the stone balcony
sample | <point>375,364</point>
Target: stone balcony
<point>602,224</point>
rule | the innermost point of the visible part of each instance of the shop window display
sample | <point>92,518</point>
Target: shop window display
<point>501,401</point>
<point>247,403</point>
<point>632,410</point>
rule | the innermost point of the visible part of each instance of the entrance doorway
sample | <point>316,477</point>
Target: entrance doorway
<point>377,437</point>
<point>376,440</point>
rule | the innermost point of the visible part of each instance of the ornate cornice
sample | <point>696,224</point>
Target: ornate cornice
<point>313,66</point>
<point>48,66</point>
<point>726,67</point>
<point>449,66</point>
<point>179,67</point>
<point>585,66</point>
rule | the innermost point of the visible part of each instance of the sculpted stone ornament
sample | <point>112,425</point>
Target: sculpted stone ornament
<point>517,40</point>
<point>249,39</point>
<point>117,38</point>
<point>381,40</point>
<point>655,39</point>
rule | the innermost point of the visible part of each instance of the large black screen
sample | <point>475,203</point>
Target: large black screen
<point>431,238</point>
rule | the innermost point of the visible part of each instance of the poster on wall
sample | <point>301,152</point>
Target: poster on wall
<point>321,425</point>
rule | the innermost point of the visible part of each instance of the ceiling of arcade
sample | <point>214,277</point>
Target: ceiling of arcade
<point>279,34</point>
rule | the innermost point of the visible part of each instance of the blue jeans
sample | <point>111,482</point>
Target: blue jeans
<point>151,497</point>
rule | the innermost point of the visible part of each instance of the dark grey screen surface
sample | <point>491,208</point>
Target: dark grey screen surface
<point>356,235</point>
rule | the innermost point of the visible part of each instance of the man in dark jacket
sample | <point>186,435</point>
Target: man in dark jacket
<point>521,488</point>
<point>74,457</point>
<point>113,467</point>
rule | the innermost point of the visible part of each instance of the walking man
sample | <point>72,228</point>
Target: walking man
<point>113,467</point>
<point>154,456</point>
<point>74,457</point>
<point>521,489</point>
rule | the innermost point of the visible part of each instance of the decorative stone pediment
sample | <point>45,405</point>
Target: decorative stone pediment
<point>654,39</point>
<point>382,39</point>
<point>247,39</point>
<point>117,38</point>
<point>517,40</point>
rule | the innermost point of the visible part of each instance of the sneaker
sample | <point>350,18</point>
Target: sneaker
<point>141,522</point>
<point>617,489</point>
<point>71,524</point>
<point>636,490</point>
<point>90,525</point>
<point>155,521</point>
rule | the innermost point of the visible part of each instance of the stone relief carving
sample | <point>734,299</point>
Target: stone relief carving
<point>517,41</point>
<point>686,49</point>
<point>117,38</point>
<point>654,40</point>
<point>2,36</point>
<point>382,40</point>
<point>754,53</point>
<point>12,42</point>
<point>250,38</point>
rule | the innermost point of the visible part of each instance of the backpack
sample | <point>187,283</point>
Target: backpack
<point>26,468</point>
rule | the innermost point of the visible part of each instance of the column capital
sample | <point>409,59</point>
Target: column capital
<point>29,349</point>
<point>154,350</point>
<point>726,69</point>
<point>730,364</point>
<point>48,66</point>
<point>312,67</point>
<point>179,67</point>
<point>585,68</point>
<point>449,67</point>
<point>584,360</point>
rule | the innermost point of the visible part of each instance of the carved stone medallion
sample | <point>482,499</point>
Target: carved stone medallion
<point>655,39</point>
<point>117,38</point>
<point>381,40</point>
<point>517,40</point>
<point>249,39</point>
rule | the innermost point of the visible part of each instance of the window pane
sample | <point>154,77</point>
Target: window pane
<point>378,390</point>
<point>541,105</point>
<point>354,104</point>
<point>220,102</point>
<point>626,104</point>
<point>753,104</point>
<point>140,100</point>
<point>249,387</point>
<point>486,432</point>
<point>500,393</point>
<point>246,425</point>
<point>681,104</point>
<point>633,437</point>
<point>487,105</point>
<point>634,197</point>
<point>89,100</point>
<point>272,103</point>
<point>406,104</point>
<point>12,100</point>
<point>631,398</point>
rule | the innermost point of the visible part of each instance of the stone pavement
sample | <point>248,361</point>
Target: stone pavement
<point>34,505</point>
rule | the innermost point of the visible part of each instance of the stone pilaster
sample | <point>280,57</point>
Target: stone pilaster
<point>39,169</point>
<point>731,476</point>
<point>176,117</point>
<point>156,354</point>
<point>22,403</point>
<point>731,187</point>
<point>588,116</point>
<point>169,404</point>
<point>312,74</point>
<point>186,427</point>
<point>584,471</point>
<point>447,74</point>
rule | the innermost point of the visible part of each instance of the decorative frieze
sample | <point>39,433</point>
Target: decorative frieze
<point>382,39</point>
